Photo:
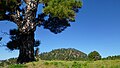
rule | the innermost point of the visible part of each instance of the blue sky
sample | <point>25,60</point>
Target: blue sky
<point>97,27</point>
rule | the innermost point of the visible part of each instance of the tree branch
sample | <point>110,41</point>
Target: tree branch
<point>7,17</point>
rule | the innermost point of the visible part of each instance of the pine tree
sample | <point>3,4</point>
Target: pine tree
<point>23,13</point>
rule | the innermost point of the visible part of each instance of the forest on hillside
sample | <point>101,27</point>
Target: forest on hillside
<point>64,54</point>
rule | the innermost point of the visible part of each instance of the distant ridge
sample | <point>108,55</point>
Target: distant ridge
<point>63,54</point>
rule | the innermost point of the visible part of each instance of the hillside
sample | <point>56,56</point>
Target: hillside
<point>63,54</point>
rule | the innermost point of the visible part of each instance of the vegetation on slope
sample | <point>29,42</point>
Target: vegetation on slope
<point>64,54</point>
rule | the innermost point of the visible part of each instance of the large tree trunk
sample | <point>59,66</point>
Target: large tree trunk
<point>27,48</point>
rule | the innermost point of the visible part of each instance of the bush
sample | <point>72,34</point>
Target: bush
<point>94,56</point>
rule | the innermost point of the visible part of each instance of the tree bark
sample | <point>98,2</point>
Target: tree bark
<point>26,51</point>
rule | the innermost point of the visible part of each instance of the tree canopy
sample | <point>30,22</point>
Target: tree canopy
<point>59,12</point>
<point>94,56</point>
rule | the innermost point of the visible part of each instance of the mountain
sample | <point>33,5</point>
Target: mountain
<point>63,54</point>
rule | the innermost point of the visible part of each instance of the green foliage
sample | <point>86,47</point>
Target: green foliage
<point>55,8</point>
<point>8,5</point>
<point>2,8</point>
<point>15,40</point>
<point>64,54</point>
<point>11,5</point>
<point>62,8</point>
<point>46,63</point>
<point>17,66</point>
<point>76,65</point>
<point>94,56</point>
<point>59,13</point>
<point>116,57</point>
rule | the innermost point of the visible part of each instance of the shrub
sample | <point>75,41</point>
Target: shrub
<point>94,56</point>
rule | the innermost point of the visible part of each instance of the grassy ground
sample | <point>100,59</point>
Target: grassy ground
<point>69,64</point>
